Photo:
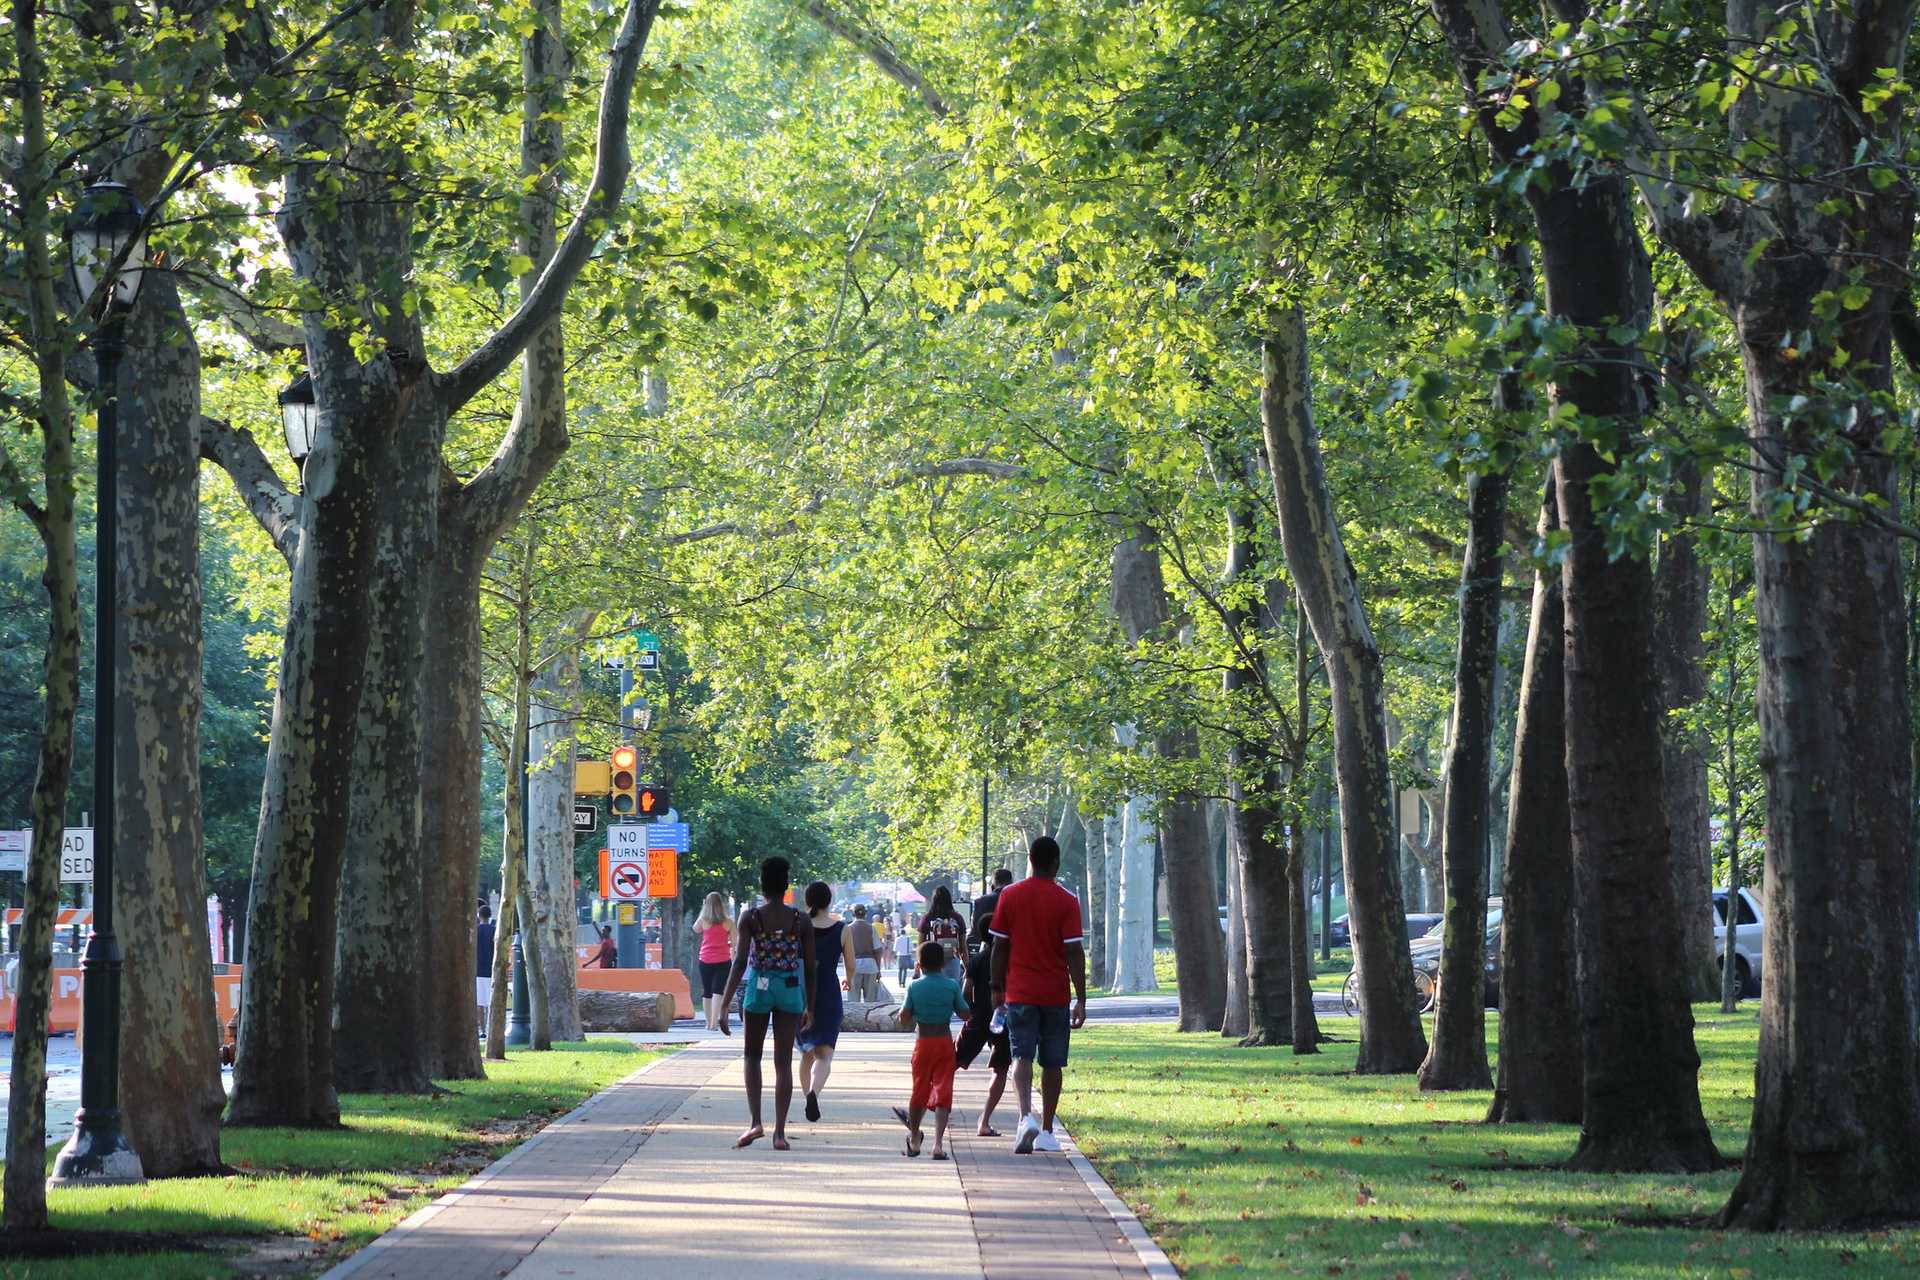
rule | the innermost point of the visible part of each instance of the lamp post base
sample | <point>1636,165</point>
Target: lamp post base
<point>97,1155</point>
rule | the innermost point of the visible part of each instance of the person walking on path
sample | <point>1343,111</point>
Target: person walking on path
<point>607,956</point>
<point>903,954</point>
<point>1037,948</point>
<point>482,963</point>
<point>942,924</point>
<point>977,939</point>
<point>930,1005</point>
<point>714,927</point>
<point>831,946</point>
<point>866,957</point>
<point>979,1034</point>
<point>773,959</point>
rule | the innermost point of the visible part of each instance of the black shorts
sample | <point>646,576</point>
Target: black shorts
<point>973,1039</point>
<point>713,977</point>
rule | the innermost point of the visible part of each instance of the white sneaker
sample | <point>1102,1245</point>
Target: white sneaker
<point>1025,1136</point>
<point>1046,1141</point>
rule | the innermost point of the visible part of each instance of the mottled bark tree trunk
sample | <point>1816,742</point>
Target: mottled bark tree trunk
<point>1097,900</point>
<point>1133,952</point>
<point>170,1090</point>
<point>555,714</point>
<point>1116,862</point>
<point>1306,1024</point>
<point>1642,1104</point>
<point>1680,619</point>
<point>1458,1057</point>
<point>1391,1037</point>
<point>1541,1077</point>
<point>25,1189</point>
<point>377,1043</point>
<point>1140,603</point>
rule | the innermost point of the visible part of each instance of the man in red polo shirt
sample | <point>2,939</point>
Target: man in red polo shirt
<point>1037,948</point>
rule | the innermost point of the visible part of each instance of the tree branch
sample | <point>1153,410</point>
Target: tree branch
<point>613,161</point>
<point>880,51</point>
<point>263,331</point>
<point>275,506</point>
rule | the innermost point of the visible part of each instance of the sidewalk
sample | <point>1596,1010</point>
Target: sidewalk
<point>642,1181</point>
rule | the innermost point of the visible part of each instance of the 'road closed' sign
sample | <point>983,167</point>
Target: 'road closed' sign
<point>76,853</point>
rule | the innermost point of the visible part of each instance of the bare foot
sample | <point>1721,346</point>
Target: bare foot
<point>987,1132</point>
<point>781,1144</point>
<point>938,1154</point>
<point>751,1136</point>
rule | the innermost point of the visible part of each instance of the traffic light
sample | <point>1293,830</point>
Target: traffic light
<point>653,800</point>
<point>624,765</point>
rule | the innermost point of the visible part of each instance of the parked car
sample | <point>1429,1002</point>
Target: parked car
<point>1748,935</point>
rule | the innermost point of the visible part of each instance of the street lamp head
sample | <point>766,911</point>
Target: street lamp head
<point>300,416</point>
<point>108,220</point>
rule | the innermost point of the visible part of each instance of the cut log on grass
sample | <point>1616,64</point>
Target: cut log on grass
<point>626,1010</point>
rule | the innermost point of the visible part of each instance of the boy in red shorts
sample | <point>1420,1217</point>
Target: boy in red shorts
<point>931,1003</point>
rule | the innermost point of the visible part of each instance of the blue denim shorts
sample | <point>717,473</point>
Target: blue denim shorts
<point>1039,1030</point>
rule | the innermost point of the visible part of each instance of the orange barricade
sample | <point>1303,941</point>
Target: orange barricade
<point>65,1014</point>
<point>671,980</point>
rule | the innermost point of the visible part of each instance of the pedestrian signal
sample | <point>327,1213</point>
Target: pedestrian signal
<point>653,801</point>
<point>624,765</point>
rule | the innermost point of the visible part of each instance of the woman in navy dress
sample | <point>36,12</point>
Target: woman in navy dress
<point>832,946</point>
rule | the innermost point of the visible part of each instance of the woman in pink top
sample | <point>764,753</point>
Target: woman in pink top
<point>715,930</point>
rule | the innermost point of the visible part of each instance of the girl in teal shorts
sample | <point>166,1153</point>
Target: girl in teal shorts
<point>773,960</point>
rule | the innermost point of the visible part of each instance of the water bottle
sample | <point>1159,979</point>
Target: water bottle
<point>999,1022</point>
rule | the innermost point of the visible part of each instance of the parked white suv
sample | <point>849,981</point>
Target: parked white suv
<point>1747,933</point>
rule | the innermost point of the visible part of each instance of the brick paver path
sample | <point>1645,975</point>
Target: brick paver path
<point>643,1182</point>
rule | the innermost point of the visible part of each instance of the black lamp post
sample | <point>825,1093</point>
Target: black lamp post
<point>106,246</point>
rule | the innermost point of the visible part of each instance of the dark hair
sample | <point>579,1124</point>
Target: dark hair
<point>942,904</point>
<point>933,957</point>
<point>606,931</point>
<point>859,911</point>
<point>1002,878</point>
<point>776,875</point>
<point>819,897</point>
<point>486,912</point>
<point>983,913</point>
<point>1044,854</point>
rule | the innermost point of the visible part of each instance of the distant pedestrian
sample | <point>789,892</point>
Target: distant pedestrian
<point>866,957</point>
<point>979,1034</point>
<point>942,924</point>
<point>903,954</point>
<point>714,927</point>
<point>1037,949</point>
<point>773,962</point>
<point>608,955</point>
<point>483,936</point>
<point>977,938</point>
<point>831,947</point>
<point>930,1005</point>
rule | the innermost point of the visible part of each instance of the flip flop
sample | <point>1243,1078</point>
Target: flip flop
<point>939,1155</point>
<point>991,1133</point>
<point>910,1151</point>
<point>900,1114</point>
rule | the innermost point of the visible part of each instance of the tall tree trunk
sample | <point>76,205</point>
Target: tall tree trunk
<point>377,1045</point>
<point>1458,1057</point>
<point>1731,718</point>
<point>1097,900</point>
<point>170,1091</point>
<point>1261,831</point>
<point>1140,603</point>
<point>450,804</point>
<point>1233,1023</point>
<point>1680,619</point>
<point>1133,952</point>
<point>513,841</point>
<point>550,878</point>
<point>1642,1104</point>
<point>25,1187</point>
<point>1306,1024</point>
<point>1391,1037</point>
<point>1116,864</point>
<point>1541,1077</point>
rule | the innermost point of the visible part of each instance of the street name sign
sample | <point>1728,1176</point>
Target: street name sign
<point>667,835</point>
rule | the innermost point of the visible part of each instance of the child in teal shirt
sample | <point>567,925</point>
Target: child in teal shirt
<point>931,1004</point>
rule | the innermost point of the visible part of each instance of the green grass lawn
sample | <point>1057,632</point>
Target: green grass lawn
<point>1252,1162</point>
<point>335,1189</point>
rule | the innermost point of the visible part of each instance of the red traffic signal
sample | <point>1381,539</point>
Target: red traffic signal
<point>653,800</point>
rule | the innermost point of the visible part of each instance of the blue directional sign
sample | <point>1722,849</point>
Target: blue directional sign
<point>667,835</point>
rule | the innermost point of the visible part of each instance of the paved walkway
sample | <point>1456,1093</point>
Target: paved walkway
<point>642,1181</point>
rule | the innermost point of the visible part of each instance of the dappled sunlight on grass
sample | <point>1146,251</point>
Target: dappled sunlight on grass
<point>1255,1162</point>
